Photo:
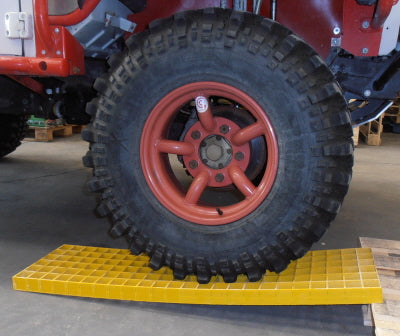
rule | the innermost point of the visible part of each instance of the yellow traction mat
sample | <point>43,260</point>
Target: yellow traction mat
<point>321,277</point>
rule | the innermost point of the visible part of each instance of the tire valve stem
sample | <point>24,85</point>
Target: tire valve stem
<point>220,212</point>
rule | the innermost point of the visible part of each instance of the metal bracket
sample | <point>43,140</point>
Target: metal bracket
<point>257,6</point>
<point>119,22</point>
<point>19,25</point>
<point>370,111</point>
<point>240,5</point>
<point>336,41</point>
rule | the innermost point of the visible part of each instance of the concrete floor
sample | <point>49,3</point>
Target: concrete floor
<point>44,203</point>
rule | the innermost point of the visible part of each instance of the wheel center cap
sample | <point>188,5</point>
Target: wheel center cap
<point>215,151</point>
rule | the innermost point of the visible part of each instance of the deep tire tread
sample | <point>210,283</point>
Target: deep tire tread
<point>319,94</point>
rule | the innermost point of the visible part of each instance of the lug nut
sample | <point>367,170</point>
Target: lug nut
<point>195,135</point>
<point>193,164</point>
<point>220,165</point>
<point>219,177</point>
<point>218,137</point>
<point>229,151</point>
<point>239,156</point>
<point>224,129</point>
<point>204,161</point>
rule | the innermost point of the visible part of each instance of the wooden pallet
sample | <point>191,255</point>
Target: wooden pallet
<point>385,316</point>
<point>77,128</point>
<point>46,134</point>
<point>394,111</point>
<point>356,134</point>
<point>393,116</point>
<point>372,132</point>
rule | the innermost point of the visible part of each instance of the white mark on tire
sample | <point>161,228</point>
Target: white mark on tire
<point>201,104</point>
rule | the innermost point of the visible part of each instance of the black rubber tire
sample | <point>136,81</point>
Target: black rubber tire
<point>12,131</point>
<point>304,104</point>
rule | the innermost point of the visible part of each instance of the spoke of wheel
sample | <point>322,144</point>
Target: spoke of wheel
<point>196,188</point>
<point>248,133</point>
<point>204,113</point>
<point>175,147</point>
<point>241,181</point>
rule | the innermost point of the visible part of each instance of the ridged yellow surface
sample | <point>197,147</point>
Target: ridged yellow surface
<point>321,277</point>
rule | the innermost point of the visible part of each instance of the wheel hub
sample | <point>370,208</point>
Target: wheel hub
<point>215,151</point>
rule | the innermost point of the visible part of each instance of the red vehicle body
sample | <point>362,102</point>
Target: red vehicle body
<point>314,21</point>
<point>230,118</point>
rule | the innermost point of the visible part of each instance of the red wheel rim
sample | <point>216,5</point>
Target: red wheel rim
<point>186,203</point>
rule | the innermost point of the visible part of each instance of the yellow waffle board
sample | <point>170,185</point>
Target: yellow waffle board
<point>321,277</point>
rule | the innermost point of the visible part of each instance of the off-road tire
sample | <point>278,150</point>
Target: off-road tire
<point>262,60</point>
<point>12,131</point>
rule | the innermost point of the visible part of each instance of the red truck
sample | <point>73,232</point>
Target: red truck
<point>220,131</point>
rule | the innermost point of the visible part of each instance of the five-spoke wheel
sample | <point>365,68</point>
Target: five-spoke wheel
<point>215,150</point>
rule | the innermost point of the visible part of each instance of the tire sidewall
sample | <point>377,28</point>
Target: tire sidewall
<point>246,72</point>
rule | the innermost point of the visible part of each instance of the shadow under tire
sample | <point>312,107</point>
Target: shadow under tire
<point>12,131</point>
